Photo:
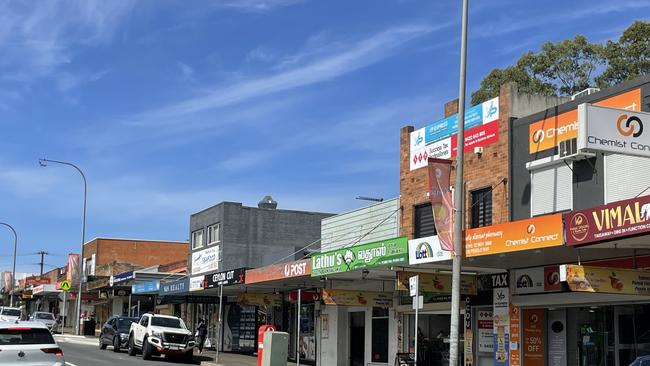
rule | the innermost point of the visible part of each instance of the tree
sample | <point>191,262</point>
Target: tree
<point>627,58</point>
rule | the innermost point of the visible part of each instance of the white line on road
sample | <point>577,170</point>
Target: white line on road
<point>70,363</point>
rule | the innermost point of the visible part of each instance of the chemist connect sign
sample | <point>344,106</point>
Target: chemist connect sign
<point>613,130</point>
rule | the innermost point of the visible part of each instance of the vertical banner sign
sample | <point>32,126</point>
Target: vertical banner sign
<point>72,272</point>
<point>557,337</point>
<point>441,201</point>
<point>534,337</point>
<point>8,282</point>
<point>515,354</point>
<point>501,329</point>
<point>469,336</point>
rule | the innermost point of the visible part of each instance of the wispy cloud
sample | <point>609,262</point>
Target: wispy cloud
<point>187,72</point>
<point>256,6</point>
<point>67,80</point>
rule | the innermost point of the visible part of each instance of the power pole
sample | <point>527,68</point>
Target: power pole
<point>42,262</point>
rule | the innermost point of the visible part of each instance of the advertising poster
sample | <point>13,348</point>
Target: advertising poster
<point>439,179</point>
<point>557,338</point>
<point>484,331</point>
<point>608,280</point>
<point>534,345</point>
<point>515,354</point>
<point>501,330</point>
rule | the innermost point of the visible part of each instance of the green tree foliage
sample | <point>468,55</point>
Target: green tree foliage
<point>627,58</point>
<point>569,66</point>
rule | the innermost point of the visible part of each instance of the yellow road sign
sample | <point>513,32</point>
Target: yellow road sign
<point>65,285</point>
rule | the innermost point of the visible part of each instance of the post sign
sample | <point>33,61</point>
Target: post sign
<point>613,130</point>
<point>606,222</point>
<point>226,278</point>
<point>279,271</point>
<point>376,254</point>
<point>607,280</point>
<point>534,233</point>
<point>357,298</point>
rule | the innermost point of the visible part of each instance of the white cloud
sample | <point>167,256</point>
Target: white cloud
<point>256,6</point>
<point>187,72</point>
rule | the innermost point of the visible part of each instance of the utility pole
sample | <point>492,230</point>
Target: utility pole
<point>459,197</point>
<point>42,262</point>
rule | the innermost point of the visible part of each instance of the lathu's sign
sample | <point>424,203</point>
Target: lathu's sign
<point>380,253</point>
<point>614,220</point>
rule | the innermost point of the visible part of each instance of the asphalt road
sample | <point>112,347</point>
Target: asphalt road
<point>88,354</point>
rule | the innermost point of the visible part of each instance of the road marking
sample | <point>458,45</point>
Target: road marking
<point>70,363</point>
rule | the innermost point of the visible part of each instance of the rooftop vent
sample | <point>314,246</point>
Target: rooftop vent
<point>268,203</point>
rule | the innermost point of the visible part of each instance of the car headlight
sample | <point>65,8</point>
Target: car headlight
<point>124,336</point>
<point>156,333</point>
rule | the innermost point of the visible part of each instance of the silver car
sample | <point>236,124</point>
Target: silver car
<point>8,314</point>
<point>46,318</point>
<point>28,344</point>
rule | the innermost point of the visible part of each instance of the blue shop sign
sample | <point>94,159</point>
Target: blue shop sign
<point>145,287</point>
<point>123,277</point>
<point>175,287</point>
<point>449,126</point>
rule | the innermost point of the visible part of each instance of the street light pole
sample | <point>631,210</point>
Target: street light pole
<point>459,197</point>
<point>13,273</point>
<point>43,163</point>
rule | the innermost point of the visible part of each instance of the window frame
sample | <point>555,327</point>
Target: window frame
<point>194,234</point>
<point>417,230</point>
<point>210,230</point>
<point>474,205</point>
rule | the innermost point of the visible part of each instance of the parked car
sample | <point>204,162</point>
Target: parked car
<point>161,334</point>
<point>28,344</point>
<point>115,332</point>
<point>46,318</point>
<point>8,314</point>
<point>641,361</point>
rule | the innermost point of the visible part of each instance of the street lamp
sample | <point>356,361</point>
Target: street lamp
<point>43,163</point>
<point>13,274</point>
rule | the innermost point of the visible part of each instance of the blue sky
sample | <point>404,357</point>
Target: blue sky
<point>170,108</point>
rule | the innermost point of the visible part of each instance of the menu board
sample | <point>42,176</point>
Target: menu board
<point>240,328</point>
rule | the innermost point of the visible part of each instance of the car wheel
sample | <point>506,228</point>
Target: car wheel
<point>131,347</point>
<point>116,344</point>
<point>146,350</point>
<point>101,343</point>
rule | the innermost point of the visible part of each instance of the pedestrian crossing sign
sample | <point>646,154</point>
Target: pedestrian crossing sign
<point>65,285</point>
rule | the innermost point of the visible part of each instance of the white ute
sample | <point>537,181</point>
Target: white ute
<point>161,335</point>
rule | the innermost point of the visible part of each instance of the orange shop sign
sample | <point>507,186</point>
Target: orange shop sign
<point>279,271</point>
<point>535,233</point>
<point>549,132</point>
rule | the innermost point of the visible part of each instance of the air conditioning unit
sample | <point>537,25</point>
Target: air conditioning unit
<point>568,150</point>
<point>584,93</point>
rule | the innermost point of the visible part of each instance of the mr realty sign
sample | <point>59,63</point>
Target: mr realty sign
<point>613,130</point>
<point>615,220</point>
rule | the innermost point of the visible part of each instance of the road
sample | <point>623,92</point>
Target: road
<point>85,352</point>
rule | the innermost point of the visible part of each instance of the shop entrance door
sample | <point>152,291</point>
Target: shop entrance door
<point>357,338</point>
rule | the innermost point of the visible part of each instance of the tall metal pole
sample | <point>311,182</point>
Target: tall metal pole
<point>219,325</point>
<point>65,293</point>
<point>459,197</point>
<point>13,273</point>
<point>416,299</point>
<point>43,162</point>
<point>298,328</point>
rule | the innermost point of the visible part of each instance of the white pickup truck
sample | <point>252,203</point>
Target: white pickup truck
<point>161,335</point>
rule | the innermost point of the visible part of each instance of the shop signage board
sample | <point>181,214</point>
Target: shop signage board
<point>548,132</point>
<point>613,130</point>
<point>435,140</point>
<point>607,222</point>
<point>501,326</point>
<point>279,271</point>
<point>260,299</point>
<point>357,298</point>
<point>469,335</point>
<point>537,280</point>
<point>437,282</point>
<point>607,280</point>
<point>427,250</point>
<point>556,330</point>
<point>225,278</point>
<point>197,283</point>
<point>175,287</point>
<point>535,233</point>
<point>40,289</point>
<point>485,333</point>
<point>371,255</point>
<point>145,287</point>
<point>515,354</point>
<point>36,280</point>
<point>121,277</point>
<point>206,260</point>
<point>534,344</point>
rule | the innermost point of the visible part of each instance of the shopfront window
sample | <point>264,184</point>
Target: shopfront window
<point>379,335</point>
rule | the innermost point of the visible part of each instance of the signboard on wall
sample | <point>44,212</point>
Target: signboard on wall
<point>549,132</point>
<point>174,287</point>
<point>613,130</point>
<point>534,345</point>
<point>379,253</point>
<point>225,278</point>
<point>485,333</point>
<point>427,250</point>
<point>437,282</point>
<point>534,233</point>
<point>205,260</point>
<point>279,271</point>
<point>357,298</point>
<point>606,222</point>
<point>537,280</point>
<point>607,280</point>
<point>501,326</point>
<point>197,283</point>
<point>145,287</point>
<point>435,140</point>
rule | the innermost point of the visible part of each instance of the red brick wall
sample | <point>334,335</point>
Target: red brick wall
<point>488,170</point>
<point>137,252</point>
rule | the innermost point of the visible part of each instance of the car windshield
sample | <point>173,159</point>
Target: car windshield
<point>11,312</point>
<point>125,323</point>
<point>167,322</point>
<point>25,335</point>
<point>46,316</point>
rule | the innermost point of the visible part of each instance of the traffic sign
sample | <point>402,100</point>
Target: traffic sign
<point>65,285</point>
